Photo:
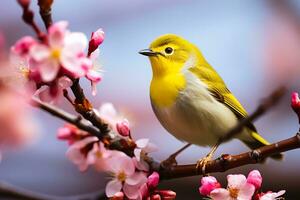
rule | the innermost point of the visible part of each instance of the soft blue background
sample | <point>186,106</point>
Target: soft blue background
<point>229,33</point>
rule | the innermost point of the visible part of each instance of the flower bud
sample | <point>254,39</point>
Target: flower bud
<point>97,38</point>
<point>295,103</point>
<point>167,194</point>
<point>155,197</point>
<point>153,180</point>
<point>208,184</point>
<point>24,3</point>
<point>123,128</point>
<point>255,179</point>
<point>23,45</point>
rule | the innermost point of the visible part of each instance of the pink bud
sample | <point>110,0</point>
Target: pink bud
<point>155,197</point>
<point>255,179</point>
<point>97,38</point>
<point>23,45</point>
<point>208,184</point>
<point>63,133</point>
<point>153,180</point>
<point>123,128</point>
<point>24,3</point>
<point>295,103</point>
<point>167,194</point>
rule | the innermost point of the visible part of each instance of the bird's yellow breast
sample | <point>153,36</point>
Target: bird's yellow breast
<point>164,90</point>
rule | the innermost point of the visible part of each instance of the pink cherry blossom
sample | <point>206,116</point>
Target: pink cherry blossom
<point>78,152</point>
<point>123,128</point>
<point>110,115</point>
<point>99,156</point>
<point>208,184</point>
<point>94,72</point>
<point>17,125</point>
<point>143,147</point>
<point>255,179</point>
<point>124,177</point>
<point>238,188</point>
<point>97,38</point>
<point>71,133</point>
<point>64,49</point>
<point>23,45</point>
<point>271,195</point>
<point>52,93</point>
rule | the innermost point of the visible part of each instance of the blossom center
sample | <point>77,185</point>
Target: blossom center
<point>121,176</point>
<point>55,53</point>
<point>234,192</point>
<point>99,154</point>
<point>24,71</point>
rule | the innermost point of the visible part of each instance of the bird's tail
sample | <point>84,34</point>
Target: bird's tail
<point>259,141</point>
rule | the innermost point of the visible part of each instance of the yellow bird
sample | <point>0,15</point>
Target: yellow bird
<point>190,99</point>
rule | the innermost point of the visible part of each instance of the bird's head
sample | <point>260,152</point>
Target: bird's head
<point>171,54</point>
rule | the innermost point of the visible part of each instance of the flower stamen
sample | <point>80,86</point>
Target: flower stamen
<point>121,176</point>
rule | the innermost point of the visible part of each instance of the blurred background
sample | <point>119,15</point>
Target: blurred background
<point>253,44</point>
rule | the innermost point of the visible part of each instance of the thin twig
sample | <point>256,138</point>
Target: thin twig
<point>45,11</point>
<point>265,105</point>
<point>85,108</point>
<point>65,116</point>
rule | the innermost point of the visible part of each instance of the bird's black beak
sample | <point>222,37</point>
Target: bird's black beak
<point>147,52</point>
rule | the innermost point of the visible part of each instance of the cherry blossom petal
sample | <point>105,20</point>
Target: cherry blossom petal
<point>44,94</point>
<point>236,180</point>
<point>272,195</point>
<point>113,187</point>
<point>49,69</point>
<point>64,82</point>
<point>72,63</point>
<point>142,143</point>
<point>95,55</point>
<point>121,162</point>
<point>138,178</point>
<point>57,33</point>
<point>246,192</point>
<point>76,42</point>
<point>131,191</point>
<point>150,148</point>
<point>220,194</point>
<point>141,165</point>
<point>94,76</point>
<point>39,52</point>
<point>137,154</point>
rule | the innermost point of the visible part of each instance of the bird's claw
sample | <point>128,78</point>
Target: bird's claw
<point>203,162</point>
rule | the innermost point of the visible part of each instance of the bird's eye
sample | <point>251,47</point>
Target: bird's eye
<point>168,50</point>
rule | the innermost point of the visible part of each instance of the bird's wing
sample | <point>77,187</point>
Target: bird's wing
<point>220,92</point>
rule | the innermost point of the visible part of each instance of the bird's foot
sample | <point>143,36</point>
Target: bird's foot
<point>203,162</point>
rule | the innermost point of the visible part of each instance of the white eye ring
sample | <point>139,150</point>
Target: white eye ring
<point>169,50</point>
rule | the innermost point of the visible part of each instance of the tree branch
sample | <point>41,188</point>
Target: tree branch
<point>85,108</point>
<point>265,105</point>
<point>75,120</point>
<point>45,11</point>
<point>226,162</point>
